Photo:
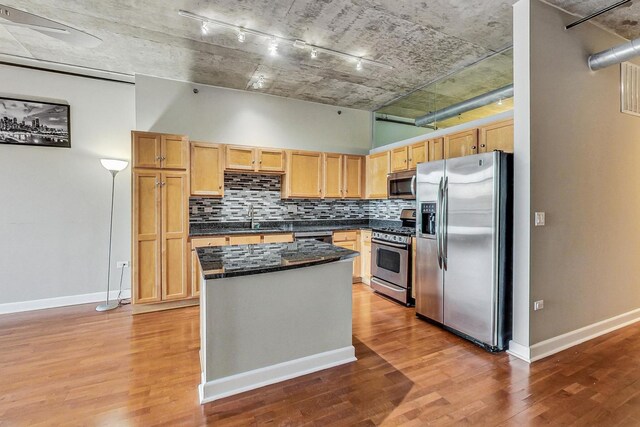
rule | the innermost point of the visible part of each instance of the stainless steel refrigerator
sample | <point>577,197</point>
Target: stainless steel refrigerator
<point>464,246</point>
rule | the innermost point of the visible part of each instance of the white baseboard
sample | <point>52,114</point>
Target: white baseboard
<point>520,351</point>
<point>234,384</point>
<point>562,342</point>
<point>39,304</point>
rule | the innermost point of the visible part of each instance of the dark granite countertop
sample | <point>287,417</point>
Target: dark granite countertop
<point>269,227</point>
<point>231,261</point>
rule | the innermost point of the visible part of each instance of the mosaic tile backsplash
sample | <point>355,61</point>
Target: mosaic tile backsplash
<point>263,192</point>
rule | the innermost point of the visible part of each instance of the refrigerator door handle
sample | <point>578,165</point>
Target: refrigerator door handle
<point>438,224</point>
<point>445,223</point>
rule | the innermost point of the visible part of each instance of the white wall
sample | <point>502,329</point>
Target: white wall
<point>385,133</point>
<point>584,174</point>
<point>54,214</point>
<point>248,118</point>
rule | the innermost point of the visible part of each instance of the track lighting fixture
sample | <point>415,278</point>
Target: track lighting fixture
<point>259,83</point>
<point>275,41</point>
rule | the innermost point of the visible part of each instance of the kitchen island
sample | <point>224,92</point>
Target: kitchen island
<point>271,312</point>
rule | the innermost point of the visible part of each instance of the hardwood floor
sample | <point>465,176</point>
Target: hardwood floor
<point>74,366</point>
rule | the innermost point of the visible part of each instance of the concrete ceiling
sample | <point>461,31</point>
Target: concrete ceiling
<point>422,40</point>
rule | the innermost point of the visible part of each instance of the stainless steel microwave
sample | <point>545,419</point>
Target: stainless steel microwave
<point>401,185</point>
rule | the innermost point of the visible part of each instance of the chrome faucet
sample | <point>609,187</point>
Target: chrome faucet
<point>251,216</point>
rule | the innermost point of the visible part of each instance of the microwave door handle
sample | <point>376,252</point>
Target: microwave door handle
<point>413,186</point>
<point>438,227</point>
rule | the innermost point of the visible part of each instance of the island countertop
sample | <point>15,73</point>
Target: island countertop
<point>219,262</point>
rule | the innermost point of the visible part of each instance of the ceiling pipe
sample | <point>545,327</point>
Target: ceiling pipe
<point>468,105</point>
<point>615,55</point>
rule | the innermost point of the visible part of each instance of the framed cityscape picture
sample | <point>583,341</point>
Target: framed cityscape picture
<point>24,122</point>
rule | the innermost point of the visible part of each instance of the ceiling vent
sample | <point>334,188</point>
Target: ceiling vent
<point>630,85</point>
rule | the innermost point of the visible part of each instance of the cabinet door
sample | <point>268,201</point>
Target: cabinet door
<point>365,256</point>
<point>377,171</point>
<point>399,159</point>
<point>356,261</point>
<point>146,237</point>
<point>436,149</point>
<point>304,174</point>
<point>461,144</point>
<point>175,232</point>
<point>195,274</point>
<point>497,136</point>
<point>207,169</point>
<point>175,152</point>
<point>252,239</point>
<point>418,154</point>
<point>333,188</point>
<point>352,176</point>
<point>240,158</point>
<point>270,160</point>
<point>146,149</point>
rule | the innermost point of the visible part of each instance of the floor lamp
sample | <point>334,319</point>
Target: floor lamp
<point>113,166</point>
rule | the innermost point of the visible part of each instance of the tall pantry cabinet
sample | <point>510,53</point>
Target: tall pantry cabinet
<point>160,217</point>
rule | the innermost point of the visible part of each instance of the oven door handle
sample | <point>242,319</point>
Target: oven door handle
<point>395,245</point>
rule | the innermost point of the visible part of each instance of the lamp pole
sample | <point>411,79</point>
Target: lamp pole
<point>113,166</point>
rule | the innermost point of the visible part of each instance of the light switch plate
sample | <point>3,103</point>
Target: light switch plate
<point>539,219</point>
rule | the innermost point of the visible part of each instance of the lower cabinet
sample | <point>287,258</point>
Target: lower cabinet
<point>365,256</point>
<point>350,240</point>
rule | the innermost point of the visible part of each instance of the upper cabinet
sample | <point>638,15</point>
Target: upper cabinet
<point>399,159</point>
<point>303,176</point>
<point>378,167</point>
<point>244,158</point>
<point>436,149</point>
<point>353,176</point>
<point>207,169</point>
<point>333,187</point>
<point>497,136</point>
<point>418,153</point>
<point>159,151</point>
<point>461,144</point>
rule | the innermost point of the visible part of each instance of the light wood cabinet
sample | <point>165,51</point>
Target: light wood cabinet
<point>240,158</point>
<point>303,176</point>
<point>497,136</point>
<point>159,151</point>
<point>365,256</point>
<point>254,159</point>
<point>343,176</point>
<point>436,149</point>
<point>207,169</point>
<point>378,167</point>
<point>400,159</point>
<point>147,242</point>
<point>195,263</point>
<point>175,232</point>
<point>353,174</point>
<point>350,240</point>
<point>461,144</point>
<point>270,160</point>
<point>417,153</point>
<point>332,183</point>
<point>160,232</point>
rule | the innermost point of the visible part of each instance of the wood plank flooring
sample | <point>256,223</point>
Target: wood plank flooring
<point>74,366</point>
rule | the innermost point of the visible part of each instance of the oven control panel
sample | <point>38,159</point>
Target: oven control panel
<point>393,238</point>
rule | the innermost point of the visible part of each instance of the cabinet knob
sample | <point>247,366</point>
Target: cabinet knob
<point>253,162</point>
<point>473,147</point>
<point>157,183</point>
<point>220,187</point>
<point>482,145</point>
<point>163,183</point>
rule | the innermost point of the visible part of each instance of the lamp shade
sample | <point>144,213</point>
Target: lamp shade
<point>114,165</point>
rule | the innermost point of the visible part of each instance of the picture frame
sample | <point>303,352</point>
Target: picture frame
<point>34,123</point>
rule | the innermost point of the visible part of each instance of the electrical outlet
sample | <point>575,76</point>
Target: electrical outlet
<point>122,264</point>
<point>539,219</point>
<point>538,305</point>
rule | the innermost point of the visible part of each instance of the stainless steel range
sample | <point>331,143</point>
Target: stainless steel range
<point>391,259</point>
